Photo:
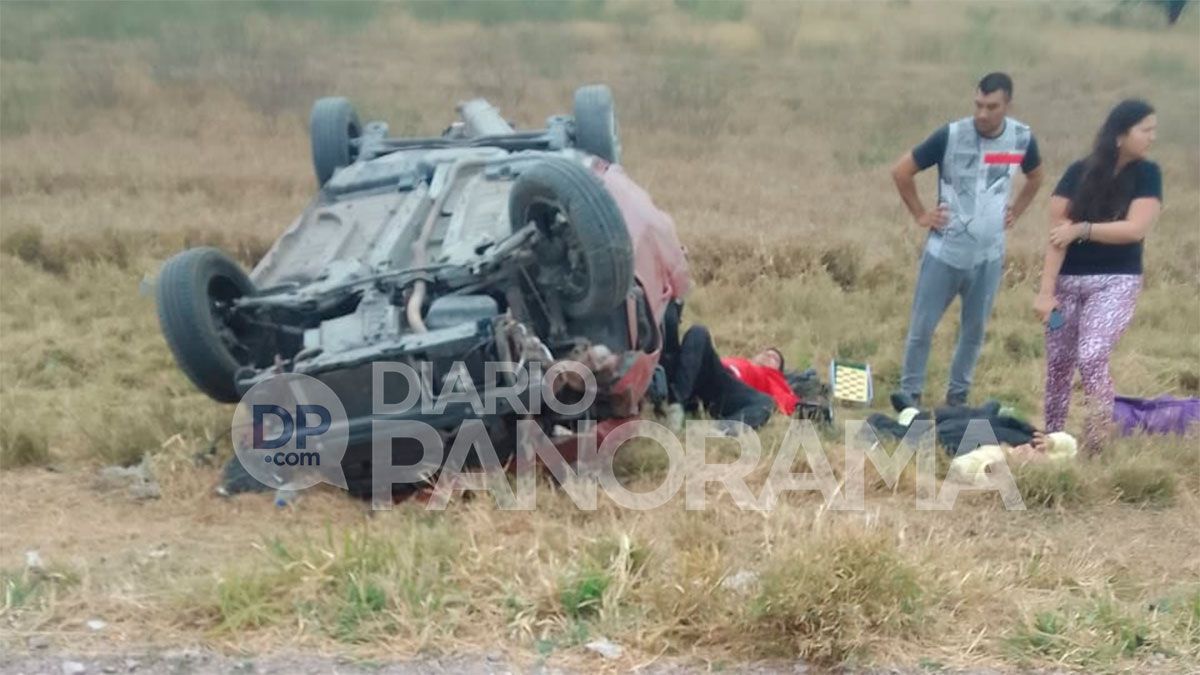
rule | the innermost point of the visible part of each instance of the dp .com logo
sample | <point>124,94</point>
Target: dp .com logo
<point>290,432</point>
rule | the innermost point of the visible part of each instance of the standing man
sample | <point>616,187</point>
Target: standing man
<point>976,157</point>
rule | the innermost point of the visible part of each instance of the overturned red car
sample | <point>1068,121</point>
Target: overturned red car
<point>483,245</point>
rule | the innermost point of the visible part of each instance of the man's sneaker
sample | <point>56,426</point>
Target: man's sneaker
<point>901,400</point>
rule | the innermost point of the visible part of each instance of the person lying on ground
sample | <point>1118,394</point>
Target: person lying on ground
<point>980,466</point>
<point>730,389</point>
<point>961,429</point>
<point>764,372</point>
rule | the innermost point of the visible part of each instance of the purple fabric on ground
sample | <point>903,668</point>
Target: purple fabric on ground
<point>1163,415</point>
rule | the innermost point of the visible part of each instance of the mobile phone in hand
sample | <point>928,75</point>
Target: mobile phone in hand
<point>1056,320</point>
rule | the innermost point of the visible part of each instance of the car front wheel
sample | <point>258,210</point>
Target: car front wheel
<point>195,295</point>
<point>586,252</point>
<point>334,130</point>
<point>596,123</point>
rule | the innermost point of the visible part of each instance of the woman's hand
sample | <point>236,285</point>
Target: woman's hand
<point>1043,304</point>
<point>1064,233</point>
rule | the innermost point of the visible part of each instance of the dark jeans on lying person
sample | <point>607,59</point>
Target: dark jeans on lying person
<point>697,378</point>
<point>957,438</point>
<point>952,425</point>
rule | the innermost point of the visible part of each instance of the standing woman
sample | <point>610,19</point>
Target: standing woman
<point>1100,213</point>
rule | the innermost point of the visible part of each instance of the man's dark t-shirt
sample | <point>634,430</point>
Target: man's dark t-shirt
<point>1090,257</point>
<point>933,149</point>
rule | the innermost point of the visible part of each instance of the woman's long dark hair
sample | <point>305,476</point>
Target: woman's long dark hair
<point>1103,195</point>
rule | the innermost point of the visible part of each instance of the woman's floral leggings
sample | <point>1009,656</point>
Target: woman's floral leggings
<point>1097,308</point>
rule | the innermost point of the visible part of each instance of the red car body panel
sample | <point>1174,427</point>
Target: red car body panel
<point>661,269</point>
<point>660,262</point>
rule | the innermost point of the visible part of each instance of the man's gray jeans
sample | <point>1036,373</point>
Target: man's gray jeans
<point>937,284</point>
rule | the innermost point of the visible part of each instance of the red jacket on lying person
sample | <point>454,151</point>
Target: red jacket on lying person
<point>769,381</point>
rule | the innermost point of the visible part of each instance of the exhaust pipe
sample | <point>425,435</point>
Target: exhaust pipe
<point>483,119</point>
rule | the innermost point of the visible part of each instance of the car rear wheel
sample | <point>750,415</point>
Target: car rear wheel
<point>195,293</point>
<point>586,254</point>
<point>334,130</point>
<point>596,123</point>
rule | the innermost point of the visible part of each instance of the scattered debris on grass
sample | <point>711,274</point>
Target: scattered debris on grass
<point>605,648</point>
<point>740,582</point>
<point>137,481</point>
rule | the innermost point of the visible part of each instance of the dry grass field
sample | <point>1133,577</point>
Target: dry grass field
<point>131,130</point>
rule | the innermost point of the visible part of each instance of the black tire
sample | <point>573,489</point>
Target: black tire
<point>596,253</point>
<point>596,129</point>
<point>332,127</point>
<point>193,287</point>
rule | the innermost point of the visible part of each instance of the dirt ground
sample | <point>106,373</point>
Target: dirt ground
<point>201,662</point>
<point>130,558</point>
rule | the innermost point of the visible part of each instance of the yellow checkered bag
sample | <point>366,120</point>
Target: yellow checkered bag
<point>851,382</point>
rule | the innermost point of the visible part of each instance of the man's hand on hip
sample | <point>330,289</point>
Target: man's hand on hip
<point>934,219</point>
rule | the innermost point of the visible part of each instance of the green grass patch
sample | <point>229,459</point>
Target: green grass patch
<point>20,107</point>
<point>979,42</point>
<point>1158,65</point>
<point>1182,612</point>
<point>640,459</point>
<point>364,599</point>
<point>492,12</point>
<point>550,53</point>
<point>353,586</point>
<point>826,600</point>
<point>23,444</point>
<point>251,600</point>
<point>582,594</point>
<point>1050,484</point>
<point>691,86</point>
<point>19,590</point>
<point>34,588</point>
<point>1143,479</point>
<point>607,570</point>
<point>573,635</point>
<point>116,20</point>
<point>1095,632</point>
<point>58,255</point>
<point>714,10</point>
<point>1023,346</point>
<point>843,264</point>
